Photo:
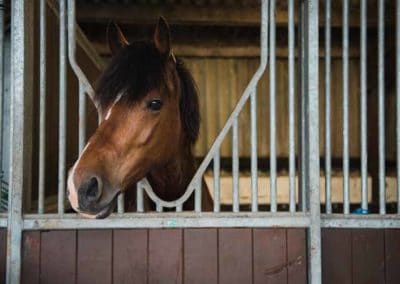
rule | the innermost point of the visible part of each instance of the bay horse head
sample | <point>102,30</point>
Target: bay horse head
<point>149,116</point>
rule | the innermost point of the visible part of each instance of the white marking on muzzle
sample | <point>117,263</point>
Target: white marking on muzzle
<point>73,192</point>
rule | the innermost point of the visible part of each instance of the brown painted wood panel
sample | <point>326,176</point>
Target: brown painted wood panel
<point>58,257</point>
<point>269,256</point>
<point>200,256</point>
<point>3,255</point>
<point>130,256</point>
<point>336,249</point>
<point>165,256</point>
<point>235,256</point>
<point>296,255</point>
<point>94,258</point>
<point>392,256</point>
<point>368,256</point>
<point>31,257</point>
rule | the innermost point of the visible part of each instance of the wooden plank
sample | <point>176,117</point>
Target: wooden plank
<point>58,257</point>
<point>130,256</point>
<point>30,257</point>
<point>200,256</point>
<point>336,249</point>
<point>269,256</point>
<point>235,256</point>
<point>165,256</point>
<point>3,255</point>
<point>296,256</point>
<point>392,255</point>
<point>368,257</point>
<point>180,14</point>
<point>94,261</point>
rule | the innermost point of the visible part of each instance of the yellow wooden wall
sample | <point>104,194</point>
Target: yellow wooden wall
<point>221,82</point>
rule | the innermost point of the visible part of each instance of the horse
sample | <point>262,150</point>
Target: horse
<point>149,122</point>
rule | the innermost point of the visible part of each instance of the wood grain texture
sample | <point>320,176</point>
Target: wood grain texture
<point>235,256</point>
<point>3,255</point>
<point>269,256</point>
<point>200,256</point>
<point>130,256</point>
<point>165,256</point>
<point>31,257</point>
<point>94,258</point>
<point>336,248</point>
<point>296,255</point>
<point>368,256</point>
<point>58,257</point>
<point>392,256</point>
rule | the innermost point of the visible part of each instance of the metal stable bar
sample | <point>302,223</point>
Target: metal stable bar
<point>381,106</point>
<point>398,101</point>
<point>292,149</point>
<point>311,147</point>
<point>217,182</point>
<point>272,108</point>
<point>121,203</point>
<point>171,220</point>
<point>1,82</point>
<point>328,154</point>
<point>253,144</point>
<point>82,117</point>
<point>197,197</point>
<point>62,108</point>
<point>235,165</point>
<point>373,221</point>
<point>42,107</point>
<point>363,106</point>
<point>301,125</point>
<point>139,199</point>
<point>345,91</point>
<point>21,94</point>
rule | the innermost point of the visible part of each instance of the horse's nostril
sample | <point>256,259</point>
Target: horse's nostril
<point>93,190</point>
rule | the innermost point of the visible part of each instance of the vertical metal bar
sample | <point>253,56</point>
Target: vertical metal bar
<point>398,101</point>
<point>311,172</point>
<point>217,182</point>
<point>292,154</point>
<point>363,102</point>
<point>253,144</point>
<point>301,128</point>
<point>235,165</point>
<point>345,78</point>
<point>1,82</point>
<point>328,170</point>
<point>159,208</point>
<point>121,203</point>
<point>82,117</point>
<point>62,108</point>
<point>381,106</point>
<point>272,118</point>
<point>139,199</point>
<point>197,197</point>
<point>21,90</point>
<point>42,107</point>
<point>179,208</point>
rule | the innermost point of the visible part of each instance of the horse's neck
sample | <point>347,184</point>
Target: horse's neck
<point>170,181</point>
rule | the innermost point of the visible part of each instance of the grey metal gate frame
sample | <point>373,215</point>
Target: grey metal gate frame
<point>309,215</point>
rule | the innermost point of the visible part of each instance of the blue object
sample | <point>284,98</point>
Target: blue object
<point>361,211</point>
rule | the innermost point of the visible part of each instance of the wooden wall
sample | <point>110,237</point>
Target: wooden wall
<point>221,82</point>
<point>204,256</point>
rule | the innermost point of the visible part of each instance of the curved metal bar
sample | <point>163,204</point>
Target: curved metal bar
<point>218,141</point>
<point>72,52</point>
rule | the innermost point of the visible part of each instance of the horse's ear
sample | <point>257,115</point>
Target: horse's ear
<point>115,37</point>
<point>162,37</point>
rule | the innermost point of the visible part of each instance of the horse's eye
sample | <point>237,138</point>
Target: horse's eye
<point>154,105</point>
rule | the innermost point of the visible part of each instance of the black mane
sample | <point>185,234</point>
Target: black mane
<point>139,68</point>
